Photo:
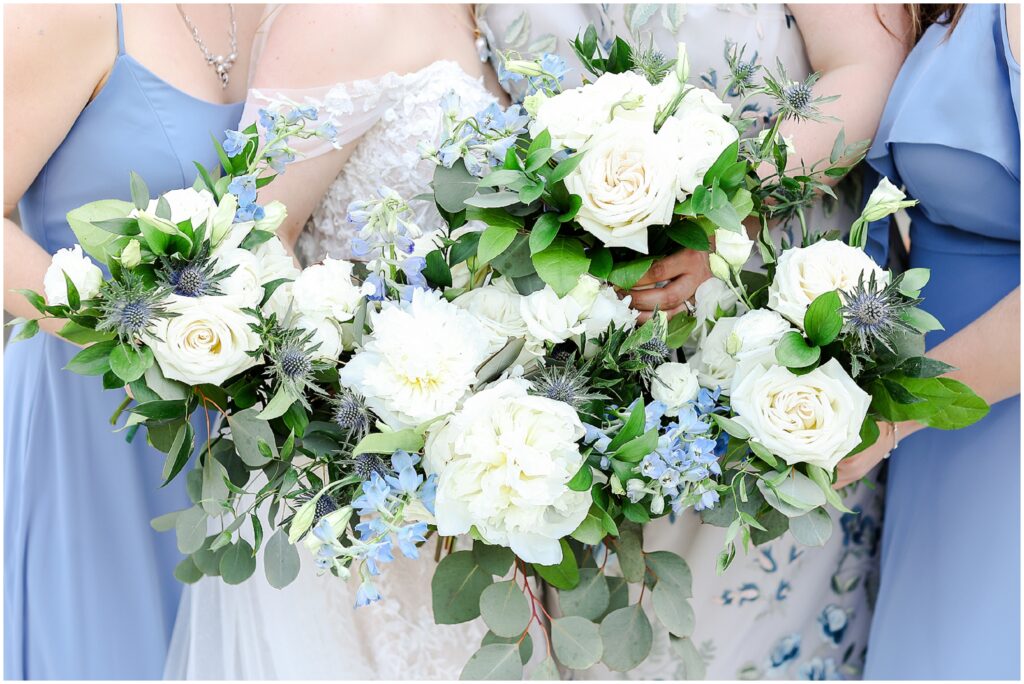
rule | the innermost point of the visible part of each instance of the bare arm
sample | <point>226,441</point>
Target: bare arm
<point>987,356</point>
<point>55,57</point>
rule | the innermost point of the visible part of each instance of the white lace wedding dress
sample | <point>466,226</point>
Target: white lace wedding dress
<point>310,629</point>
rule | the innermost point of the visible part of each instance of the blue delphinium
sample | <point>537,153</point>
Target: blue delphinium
<point>482,140</point>
<point>385,238</point>
<point>234,142</point>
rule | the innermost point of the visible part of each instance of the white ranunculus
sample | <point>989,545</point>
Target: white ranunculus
<point>609,309</point>
<point>327,290</point>
<point>497,306</point>
<point>812,418</point>
<point>627,181</point>
<point>714,364</point>
<point>244,285</point>
<point>205,342</point>
<point>699,139</point>
<point>804,273</point>
<point>674,385</point>
<point>86,276</point>
<point>420,361</point>
<point>573,116</point>
<point>326,334</point>
<point>550,318</point>
<point>503,463</point>
<point>733,246</point>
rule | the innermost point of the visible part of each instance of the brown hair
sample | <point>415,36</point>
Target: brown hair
<point>924,15</point>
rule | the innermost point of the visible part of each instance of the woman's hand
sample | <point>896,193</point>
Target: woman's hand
<point>855,467</point>
<point>684,271</point>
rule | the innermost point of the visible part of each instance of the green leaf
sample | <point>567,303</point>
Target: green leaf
<point>629,550</point>
<point>214,489</point>
<point>276,407</point>
<point>575,202</point>
<point>464,247</point>
<point>453,186</point>
<point>631,429</point>
<point>494,216</point>
<point>546,671</point>
<point>544,231</point>
<point>494,199</point>
<point>670,569</point>
<point>689,234</point>
<point>542,141</point>
<point>625,275</point>
<point>680,327</point>
<point>494,661</point>
<point>577,642</point>
<point>913,281</point>
<point>130,363</point>
<point>238,562</point>
<point>590,531</point>
<point>93,360</point>
<point>813,528</point>
<point>247,431</point>
<point>100,244</point>
<point>496,560</point>
<point>437,271</point>
<point>160,410</point>
<point>140,193</point>
<point>794,496</point>
<point>389,442</point>
<point>673,610</point>
<point>822,321</point>
<point>538,158</point>
<point>500,177</point>
<point>79,334</point>
<point>494,241</point>
<point>525,645</point>
<point>731,426</point>
<point>689,661</point>
<point>588,599</point>
<point>190,528</point>
<point>27,331</point>
<point>564,168</point>
<point>583,478</point>
<point>824,481</point>
<point>635,449</point>
<point>921,319</point>
<point>793,351</point>
<point>456,587</point>
<point>564,575</point>
<point>627,637</point>
<point>762,452</point>
<point>955,404</point>
<point>562,264</point>
<point>923,367</point>
<point>165,522</point>
<point>504,609</point>
<point>187,572</point>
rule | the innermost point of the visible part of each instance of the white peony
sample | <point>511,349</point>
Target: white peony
<point>628,181</point>
<point>275,262</point>
<point>812,418</point>
<point>674,384</point>
<point>327,290</point>
<point>573,116</point>
<point>205,342</point>
<point>804,273</point>
<point>503,464</point>
<point>696,142</point>
<point>420,361</point>
<point>713,362</point>
<point>86,276</point>
<point>734,247</point>
<point>550,318</point>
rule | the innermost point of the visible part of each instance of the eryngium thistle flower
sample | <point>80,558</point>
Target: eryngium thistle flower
<point>650,63</point>
<point>654,351</point>
<point>197,277</point>
<point>351,414</point>
<point>324,505</point>
<point>795,99</point>
<point>130,308</point>
<point>292,361</point>
<point>873,312</point>
<point>741,73</point>
<point>565,383</point>
<point>368,464</point>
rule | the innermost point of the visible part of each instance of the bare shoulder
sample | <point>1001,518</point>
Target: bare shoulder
<point>1013,28</point>
<point>316,45</point>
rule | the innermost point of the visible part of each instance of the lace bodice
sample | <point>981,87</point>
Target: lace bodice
<point>385,119</point>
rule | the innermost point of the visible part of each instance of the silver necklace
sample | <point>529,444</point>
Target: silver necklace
<point>221,64</point>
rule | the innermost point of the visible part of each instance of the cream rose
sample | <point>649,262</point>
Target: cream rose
<point>206,342</point>
<point>497,306</point>
<point>503,463</point>
<point>674,384</point>
<point>627,181</point>
<point>813,418</point>
<point>804,273</point>
<point>698,141</point>
<point>86,276</point>
<point>325,333</point>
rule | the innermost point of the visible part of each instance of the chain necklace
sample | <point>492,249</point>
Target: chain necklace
<point>221,64</point>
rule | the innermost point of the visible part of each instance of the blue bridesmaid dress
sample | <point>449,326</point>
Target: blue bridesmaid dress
<point>949,602</point>
<point>89,591</point>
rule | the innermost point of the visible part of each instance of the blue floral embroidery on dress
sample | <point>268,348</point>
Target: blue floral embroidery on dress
<point>785,650</point>
<point>817,669</point>
<point>833,621</point>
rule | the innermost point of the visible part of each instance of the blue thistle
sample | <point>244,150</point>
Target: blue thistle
<point>350,414</point>
<point>873,312</point>
<point>130,308</point>
<point>564,382</point>
<point>292,363</point>
<point>197,277</point>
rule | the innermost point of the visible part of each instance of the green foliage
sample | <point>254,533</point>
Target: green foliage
<point>561,264</point>
<point>589,599</point>
<point>627,636</point>
<point>564,575</point>
<point>248,431</point>
<point>505,609</point>
<point>577,642</point>
<point>823,322</point>
<point>456,587</point>
<point>813,528</point>
<point>793,351</point>
<point>494,662</point>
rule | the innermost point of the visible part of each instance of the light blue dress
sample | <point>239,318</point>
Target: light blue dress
<point>89,590</point>
<point>949,602</point>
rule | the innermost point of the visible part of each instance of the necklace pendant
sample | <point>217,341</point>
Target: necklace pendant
<point>481,48</point>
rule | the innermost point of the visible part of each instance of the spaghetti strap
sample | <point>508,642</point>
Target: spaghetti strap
<point>120,29</point>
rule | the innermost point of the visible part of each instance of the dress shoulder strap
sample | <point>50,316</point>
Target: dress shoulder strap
<point>120,29</point>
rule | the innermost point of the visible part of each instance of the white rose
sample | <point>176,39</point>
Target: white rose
<point>712,296</point>
<point>573,116</point>
<point>503,463</point>
<point>804,273</point>
<point>206,342</point>
<point>186,204</point>
<point>550,318</point>
<point>755,333</point>
<point>86,276</point>
<point>420,361</point>
<point>275,262</point>
<point>627,181</point>
<point>674,384</point>
<point>733,246</point>
<point>327,290</point>
<point>608,309</point>
<point>281,303</point>
<point>325,333</point>
<point>812,418</point>
<point>714,364</point>
<point>699,139</point>
<point>497,306</point>
<point>244,284</point>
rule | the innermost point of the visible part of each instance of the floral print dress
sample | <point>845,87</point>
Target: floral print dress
<point>783,610</point>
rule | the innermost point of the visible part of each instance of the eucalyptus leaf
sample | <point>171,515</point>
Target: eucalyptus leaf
<point>577,642</point>
<point>628,549</point>
<point>238,562</point>
<point>280,560</point>
<point>190,527</point>
<point>627,636</point>
<point>588,599</point>
<point>505,609</point>
<point>456,587</point>
<point>247,431</point>
<point>673,610</point>
<point>813,528</point>
<point>671,570</point>
<point>690,662</point>
<point>563,575</point>
<point>494,662</point>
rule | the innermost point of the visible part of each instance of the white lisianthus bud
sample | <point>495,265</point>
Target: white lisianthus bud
<point>657,504</point>
<point>86,276</point>
<point>274,214</point>
<point>719,267</point>
<point>532,103</point>
<point>682,64</point>
<point>885,199</point>
<point>131,255</point>
<point>734,247</point>
<point>222,218</point>
<point>524,67</point>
